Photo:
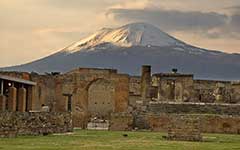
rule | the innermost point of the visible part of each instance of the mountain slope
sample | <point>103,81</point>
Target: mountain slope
<point>128,47</point>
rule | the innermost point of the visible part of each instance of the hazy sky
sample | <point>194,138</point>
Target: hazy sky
<point>31,29</point>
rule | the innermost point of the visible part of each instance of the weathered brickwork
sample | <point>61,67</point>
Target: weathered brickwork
<point>135,85</point>
<point>195,108</point>
<point>121,122</point>
<point>36,123</point>
<point>184,128</point>
<point>174,87</point>
<point>209,123</point>
<point>214,92</point>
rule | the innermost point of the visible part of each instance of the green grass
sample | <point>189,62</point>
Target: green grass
<point>108,140</point>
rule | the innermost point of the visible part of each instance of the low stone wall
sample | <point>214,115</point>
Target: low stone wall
<point>121,122</point>
<point>34,123</point>
<point>195,108</point>
<point>185,128</point>
<point>209,123</point>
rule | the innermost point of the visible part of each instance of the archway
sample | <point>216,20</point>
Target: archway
<point>101,98</point>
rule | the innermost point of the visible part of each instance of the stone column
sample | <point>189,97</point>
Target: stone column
<point>22,97</point>
<point>31,98</point>
<point>2,103</point>
<point>2,83</point>
<point>145,83</point>
<point>12,99</point>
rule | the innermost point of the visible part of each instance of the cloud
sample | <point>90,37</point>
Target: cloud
<point>235,22</point>
<point>171,19</point>
<point>132,4</point>
<point>210,25</point>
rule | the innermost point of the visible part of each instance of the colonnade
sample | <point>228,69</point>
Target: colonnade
<point>17,98</point>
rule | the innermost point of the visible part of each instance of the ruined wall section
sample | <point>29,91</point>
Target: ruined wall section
<point>21,75</point>
<point>214,117</point>
<point>121,92</point>
<point>209,123</point>
<point>135,85</point>
<point>235,92</point>
<point>44,92</point>
<point>79,81</point>
<point>174,87</point>
<point>37,123</point>
<point>78,84</point>
<point>134,90</point>
<point>194,108</point>
<point>209,91</point>
<point>184,128</point>
<point>121,122</point>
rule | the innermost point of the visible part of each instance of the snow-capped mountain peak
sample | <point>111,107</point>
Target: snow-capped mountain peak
<point>128,47</point>
<point>135,34</point>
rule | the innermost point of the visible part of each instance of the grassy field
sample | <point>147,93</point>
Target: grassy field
<point>106,140</point>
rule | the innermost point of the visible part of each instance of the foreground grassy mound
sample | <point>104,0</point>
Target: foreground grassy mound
<point>108,140</point>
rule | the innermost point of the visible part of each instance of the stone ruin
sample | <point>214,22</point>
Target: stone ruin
<point>184,128</point>
<point>17,116</point>
<point>125,102</point>
<point>13,124</point>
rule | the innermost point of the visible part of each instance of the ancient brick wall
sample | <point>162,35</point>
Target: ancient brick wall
<point>90,96</point>
<point>194,108</point>
<point>209,123</point>
<point>135,85</point>
<point>182,88</point>
<point>36,123</point>
<point>235,92</point>
<point>134,99</point>
<point>134,90</point>
<point>121,122</point>
<point>101,97</point>
<point>174,87</point>
<point>184,128</point>
<point>44,91</point>
<point>216,91</point>
<point>21,75</point>
<point>214,118</point>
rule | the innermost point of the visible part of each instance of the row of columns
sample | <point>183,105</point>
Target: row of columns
<point>14,96</point>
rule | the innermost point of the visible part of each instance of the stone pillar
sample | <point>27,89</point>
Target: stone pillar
<point>12,99</point>
<point>2,90</point>
<point>145,83</point>
<point>2,103</point>
<point>22,97</point>
<point>31,98</point>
